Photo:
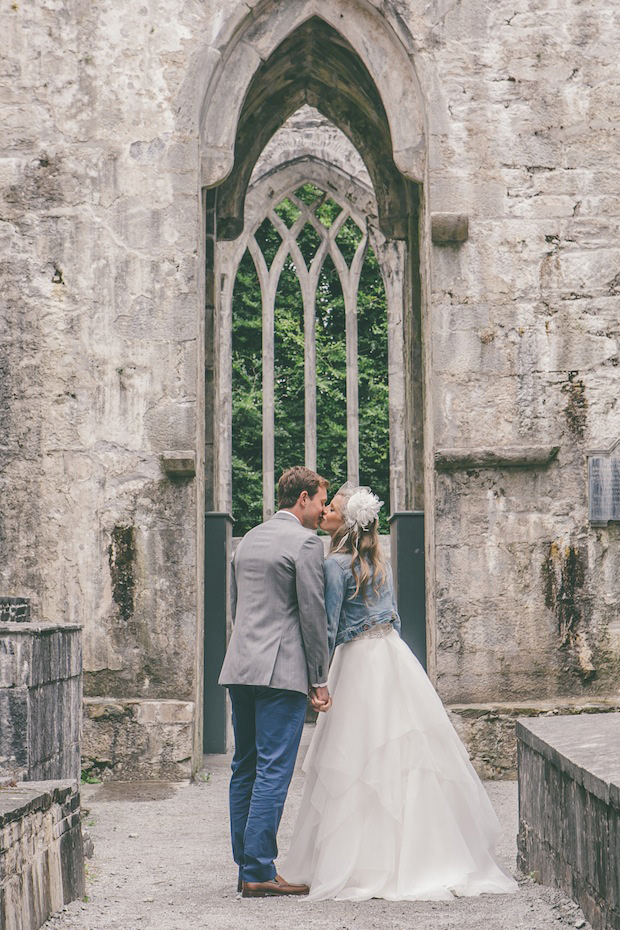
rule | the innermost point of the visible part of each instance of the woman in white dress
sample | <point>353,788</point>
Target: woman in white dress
<point>392,807</point>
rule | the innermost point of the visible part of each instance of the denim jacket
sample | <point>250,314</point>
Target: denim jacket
<point>346,617</point>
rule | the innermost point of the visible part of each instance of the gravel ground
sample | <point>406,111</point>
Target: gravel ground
<point>162,862</point>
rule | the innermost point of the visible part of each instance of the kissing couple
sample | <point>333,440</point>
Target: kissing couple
<point>391,807</point>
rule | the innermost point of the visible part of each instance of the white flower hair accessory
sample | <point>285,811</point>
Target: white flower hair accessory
<point>361,509</point>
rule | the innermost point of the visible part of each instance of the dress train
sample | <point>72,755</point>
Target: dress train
<point>391,807</point>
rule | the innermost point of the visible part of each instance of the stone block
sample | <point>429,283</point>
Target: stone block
<point>449,228</point>
<point>14,732</point>
<point>40,700</point>
<point>179,464</point>
<point>569,774</point>
<point>138,739</point>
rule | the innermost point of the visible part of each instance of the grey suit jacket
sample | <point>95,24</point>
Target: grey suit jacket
<point>279,636</point>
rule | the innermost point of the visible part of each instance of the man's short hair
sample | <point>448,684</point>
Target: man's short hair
<point>295,480</point>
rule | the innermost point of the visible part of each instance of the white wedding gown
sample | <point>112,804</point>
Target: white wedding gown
<point>392,807</point>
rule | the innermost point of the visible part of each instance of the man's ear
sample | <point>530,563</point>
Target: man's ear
<point>303,498</point>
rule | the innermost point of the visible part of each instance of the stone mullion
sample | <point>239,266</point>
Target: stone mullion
<point>310,426</point>
<point>268,378</point>
<point>308,293</point>
<point>353,418</point>
<point>349,290</point>
<point>309,297</point>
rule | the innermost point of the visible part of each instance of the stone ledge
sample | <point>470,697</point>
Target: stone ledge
<point>586,750</point>
<point>180,464</point>
<point>509,457</point>
<point>20,627</point>
<point>29,796</point>
<point>146,711</point>
<point>488,730</point>
<point>449,228</point>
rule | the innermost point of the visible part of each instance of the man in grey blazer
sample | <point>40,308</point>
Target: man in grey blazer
<point>277,653</point>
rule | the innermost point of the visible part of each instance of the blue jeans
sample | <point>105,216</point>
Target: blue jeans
<point>268,723</point>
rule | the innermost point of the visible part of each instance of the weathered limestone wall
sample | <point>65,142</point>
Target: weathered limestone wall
<point>569,810</point>
<point>525,328</point>
<point>101,332</point>
<point>98,336</point>
<point>40,700</point>
<point>41,855</point>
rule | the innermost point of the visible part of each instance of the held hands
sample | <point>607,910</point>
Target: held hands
<point>320,699</point>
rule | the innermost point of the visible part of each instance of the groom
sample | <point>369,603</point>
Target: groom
<point>278,649</point>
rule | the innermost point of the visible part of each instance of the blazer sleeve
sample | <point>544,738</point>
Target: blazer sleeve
<point>311,602</point>
<point>335,589</point>
<point>233,590</point>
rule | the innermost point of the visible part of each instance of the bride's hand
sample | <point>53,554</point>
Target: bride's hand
<point>320,699</point>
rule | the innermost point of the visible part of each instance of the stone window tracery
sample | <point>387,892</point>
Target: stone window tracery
<point>334,234</point>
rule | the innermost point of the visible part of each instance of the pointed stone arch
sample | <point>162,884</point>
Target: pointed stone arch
<point>345,59</point>
<point>352,60</point>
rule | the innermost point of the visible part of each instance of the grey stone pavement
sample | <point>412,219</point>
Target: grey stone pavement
<point>162,862</point>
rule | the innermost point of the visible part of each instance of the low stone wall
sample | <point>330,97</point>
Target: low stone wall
<point>41,858</point>
<point>138,739</point>
<point>488,730</point>
<point>40,700</point>
<point>569,810</point>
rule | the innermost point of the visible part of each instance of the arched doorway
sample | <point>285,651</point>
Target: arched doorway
<point>328,66</point>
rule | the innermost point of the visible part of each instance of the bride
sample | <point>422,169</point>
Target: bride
<point>392,807</point>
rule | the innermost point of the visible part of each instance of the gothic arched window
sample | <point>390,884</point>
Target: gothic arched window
<point>308,339</point>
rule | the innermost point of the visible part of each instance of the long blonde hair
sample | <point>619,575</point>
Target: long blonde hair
<point>367,559</point>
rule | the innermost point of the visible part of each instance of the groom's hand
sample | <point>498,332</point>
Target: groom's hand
<point>320,699</point>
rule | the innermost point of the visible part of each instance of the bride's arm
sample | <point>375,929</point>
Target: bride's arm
<point>335,588</point>
<point>395,614</point>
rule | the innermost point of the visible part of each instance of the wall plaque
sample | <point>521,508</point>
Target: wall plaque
<point>604,485</point>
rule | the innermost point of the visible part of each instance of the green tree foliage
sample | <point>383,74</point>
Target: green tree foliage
<point>289,367</point>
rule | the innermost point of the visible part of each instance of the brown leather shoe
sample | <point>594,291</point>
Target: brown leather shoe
<point>275,888</point>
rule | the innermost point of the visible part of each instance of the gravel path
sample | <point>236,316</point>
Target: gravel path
<point>162,862</point>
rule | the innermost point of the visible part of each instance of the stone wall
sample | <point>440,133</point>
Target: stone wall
<point>41,858</point>
<point>489,730</point>
<point>569,810</point>
<point>102,333</point>
<point>40,700</point>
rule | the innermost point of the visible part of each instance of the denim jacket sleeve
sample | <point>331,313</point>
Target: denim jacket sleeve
<point>335,590</point>
<point>396,615</point>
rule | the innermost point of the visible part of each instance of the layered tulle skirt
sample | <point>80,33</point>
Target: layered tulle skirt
<point>392,807</point>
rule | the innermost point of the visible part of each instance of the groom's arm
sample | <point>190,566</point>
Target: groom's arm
<point>311,601</point>
<point>233,591</point>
